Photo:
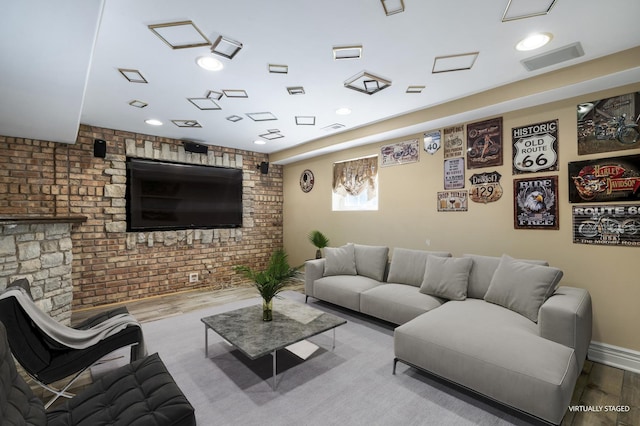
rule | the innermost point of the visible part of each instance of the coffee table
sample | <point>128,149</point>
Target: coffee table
<point>292,322</point>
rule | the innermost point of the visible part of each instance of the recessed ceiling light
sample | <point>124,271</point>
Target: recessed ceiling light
<point>343,111</point>
<point>209,63</point>
<point>259,142</point>
<point>153,122</point>
<point>534,41</point>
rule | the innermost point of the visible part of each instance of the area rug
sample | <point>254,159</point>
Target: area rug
<point>352,384</point>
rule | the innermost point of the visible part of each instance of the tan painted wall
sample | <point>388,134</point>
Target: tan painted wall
<point>407,216</point>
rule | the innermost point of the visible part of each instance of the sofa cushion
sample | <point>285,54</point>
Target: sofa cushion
<point>522,287</point>
<point>408,266</point>
<point>371,261</point>
<point>343,290</point>
<point>494,351</point>
<point>397,303</point>
<point>446,277</point>
<point>340,260</point>
<point>482,271</point>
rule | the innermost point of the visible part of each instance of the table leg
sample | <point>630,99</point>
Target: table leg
<point>206,342</point>
<point>274,370</point>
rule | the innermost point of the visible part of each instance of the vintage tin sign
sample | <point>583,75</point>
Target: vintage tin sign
<point>454,142</point>
<point>484,143</point>
<point>454,173</point>
<point>536,203</point>
<point>605,179</point>
<point>432,141</point>
<point>452,201</point>
<point>611,225</point>
<point>535,147</point>
<point>485,187</point>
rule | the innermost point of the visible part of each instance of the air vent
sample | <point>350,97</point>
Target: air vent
<point>553,57</point>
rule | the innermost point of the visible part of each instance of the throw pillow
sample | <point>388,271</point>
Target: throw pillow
<point>482,271</point>
<point>371,261</point>
<point>407,266</point>
<point>340,260</point>
<point>522,287</point>
<point>446,277</point>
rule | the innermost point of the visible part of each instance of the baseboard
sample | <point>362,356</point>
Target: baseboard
<point>615,356</point>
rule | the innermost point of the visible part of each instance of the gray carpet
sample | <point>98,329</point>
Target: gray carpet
<point>351,385</point>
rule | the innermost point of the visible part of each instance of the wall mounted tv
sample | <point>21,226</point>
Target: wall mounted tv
<point>170,196</point>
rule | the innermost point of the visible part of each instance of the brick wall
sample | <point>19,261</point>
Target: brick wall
<point>110,265</point>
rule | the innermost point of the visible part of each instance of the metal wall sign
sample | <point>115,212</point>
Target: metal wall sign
<point>535,147</point>
<point>535,203</point>
<point>610,225</point>
<point>452,201</point>
<point>454,142</point>
<point>484,143</point>
<point>454,173</point>
<point>432,141</point>
<point>485,187</point>
<point>605,179</point>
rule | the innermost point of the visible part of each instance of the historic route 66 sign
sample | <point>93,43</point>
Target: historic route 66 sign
<point>535,147</point>
<point>485,187</point>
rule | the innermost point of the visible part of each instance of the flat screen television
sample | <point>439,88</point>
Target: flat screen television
<point>171,196</point>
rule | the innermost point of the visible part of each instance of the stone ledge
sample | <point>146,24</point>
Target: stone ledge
<point>11,220</point>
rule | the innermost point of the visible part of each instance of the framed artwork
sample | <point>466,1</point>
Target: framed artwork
<point>454,173</point>
<point>609,225</point>
<point>609,124</point>
<point>605,179</point>
<point>535,203</point>
<point>452,201</point>
<point>535,147</point>
<point>400,153</point>
<point>454,142</point>
<point>484,143</point>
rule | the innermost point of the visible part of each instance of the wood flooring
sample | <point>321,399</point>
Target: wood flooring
<point>598,387</point>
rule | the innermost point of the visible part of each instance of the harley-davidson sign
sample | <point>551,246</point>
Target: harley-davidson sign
<point>485,187</point>
<point>605,179</point>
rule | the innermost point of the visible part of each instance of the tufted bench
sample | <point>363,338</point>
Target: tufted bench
<point>142,393</point>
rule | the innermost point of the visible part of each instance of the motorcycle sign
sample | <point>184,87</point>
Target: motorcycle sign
<point>535,147</point>
<point>611,225</point>
<point>605,179</point>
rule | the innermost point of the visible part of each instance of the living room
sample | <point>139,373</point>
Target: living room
<point>48,183</point>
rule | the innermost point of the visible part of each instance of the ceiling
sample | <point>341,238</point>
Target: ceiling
<point>61,60</point>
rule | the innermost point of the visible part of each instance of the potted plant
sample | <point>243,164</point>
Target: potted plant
<point>319,240</point>
<point>270,281</point>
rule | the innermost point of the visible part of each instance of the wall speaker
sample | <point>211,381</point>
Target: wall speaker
<point>195,147</point>
<point>99,148</point>
<point>264,167</point>
<point>553,57</point>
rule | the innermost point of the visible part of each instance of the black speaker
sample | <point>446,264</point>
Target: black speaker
<point>195,147</point>
<point>99,148</point>
<point>264,167</point>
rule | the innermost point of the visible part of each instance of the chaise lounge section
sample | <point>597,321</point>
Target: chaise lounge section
<point>499,326</point>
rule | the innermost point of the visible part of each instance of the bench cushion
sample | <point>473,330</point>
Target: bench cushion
<point>494,351</point>
<point>343,290</point>
<point>397,303</point>
<point>140,393</point>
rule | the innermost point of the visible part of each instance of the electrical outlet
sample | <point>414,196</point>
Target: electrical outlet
<point>427,242</point>
<point>193,277</point>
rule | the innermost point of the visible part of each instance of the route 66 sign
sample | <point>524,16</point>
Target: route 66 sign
<point>432,141</point>
<point>485,187</point>
<point>535,147</point>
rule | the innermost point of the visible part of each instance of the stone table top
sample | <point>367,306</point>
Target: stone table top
<point>292,323</point>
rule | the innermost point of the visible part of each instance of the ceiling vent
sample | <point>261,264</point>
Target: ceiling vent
<point>553,57</point>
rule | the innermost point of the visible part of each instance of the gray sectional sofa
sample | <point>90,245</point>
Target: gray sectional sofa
<point>499,326</point>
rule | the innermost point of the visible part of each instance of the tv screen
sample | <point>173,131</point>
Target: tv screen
<point>170,196</point>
